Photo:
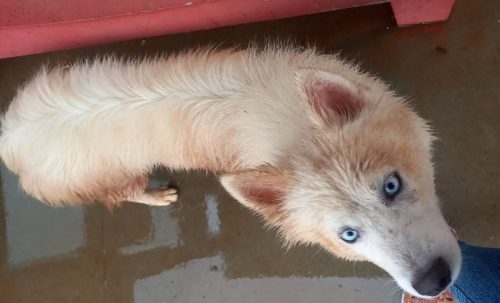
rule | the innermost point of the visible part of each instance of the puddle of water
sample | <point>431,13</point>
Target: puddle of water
<point>164,232</point>
<point>35,231</point>
<point>202,280</point>
<point>206,248</point>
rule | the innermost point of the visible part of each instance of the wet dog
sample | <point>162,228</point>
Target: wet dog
<point>324,152</point>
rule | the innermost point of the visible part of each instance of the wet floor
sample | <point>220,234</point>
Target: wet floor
<point>208,248</point>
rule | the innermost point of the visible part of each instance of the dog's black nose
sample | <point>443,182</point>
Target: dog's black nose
<point>434,280</point>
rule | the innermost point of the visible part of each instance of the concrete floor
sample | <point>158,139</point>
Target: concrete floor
<point>207,248</point>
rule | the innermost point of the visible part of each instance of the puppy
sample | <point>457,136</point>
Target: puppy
<point>324,152</point>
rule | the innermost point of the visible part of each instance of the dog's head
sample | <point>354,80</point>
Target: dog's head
<point>361,185</point>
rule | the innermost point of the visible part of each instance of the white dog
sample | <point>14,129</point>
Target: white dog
<point>325,153</point>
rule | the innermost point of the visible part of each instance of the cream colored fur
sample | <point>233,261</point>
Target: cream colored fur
<point>93,131</point>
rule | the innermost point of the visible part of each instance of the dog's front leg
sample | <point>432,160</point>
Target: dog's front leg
<point>161,196</point>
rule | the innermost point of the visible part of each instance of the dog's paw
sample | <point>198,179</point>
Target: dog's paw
<point>162,196</point>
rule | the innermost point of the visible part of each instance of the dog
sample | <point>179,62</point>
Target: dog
<point>325,153</point>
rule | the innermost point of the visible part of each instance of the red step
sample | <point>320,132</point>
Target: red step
<point>37,26</point>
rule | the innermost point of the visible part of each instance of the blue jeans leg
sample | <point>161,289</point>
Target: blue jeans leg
<point>479,279</point>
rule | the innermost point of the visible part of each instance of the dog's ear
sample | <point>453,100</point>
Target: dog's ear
<point>262,190</point>
<point>332,98</point>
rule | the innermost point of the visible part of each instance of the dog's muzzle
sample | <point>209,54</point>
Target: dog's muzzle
<point>433,280</point>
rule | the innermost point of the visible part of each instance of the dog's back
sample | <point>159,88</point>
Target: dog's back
<point>92,131</point>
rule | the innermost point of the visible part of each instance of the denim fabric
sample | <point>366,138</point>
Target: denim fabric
<point>479,279</point>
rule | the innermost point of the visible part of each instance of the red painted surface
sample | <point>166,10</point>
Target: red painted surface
<point>31,12</point>
<point>36,26</point>
<point>409,12</point>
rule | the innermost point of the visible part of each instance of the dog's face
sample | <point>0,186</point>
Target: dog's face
<point>361,185</point>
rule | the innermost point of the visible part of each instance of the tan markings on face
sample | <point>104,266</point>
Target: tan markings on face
<point>377,144</point>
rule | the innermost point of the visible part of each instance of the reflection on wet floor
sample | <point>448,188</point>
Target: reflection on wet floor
<point>56,233</point>
<point>212,214</point>
<point>203,280</point>
<point>207,247</point>
<point>164,232</point>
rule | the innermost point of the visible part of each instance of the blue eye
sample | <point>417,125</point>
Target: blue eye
<point>392,186</point>
<point>349,235</point>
